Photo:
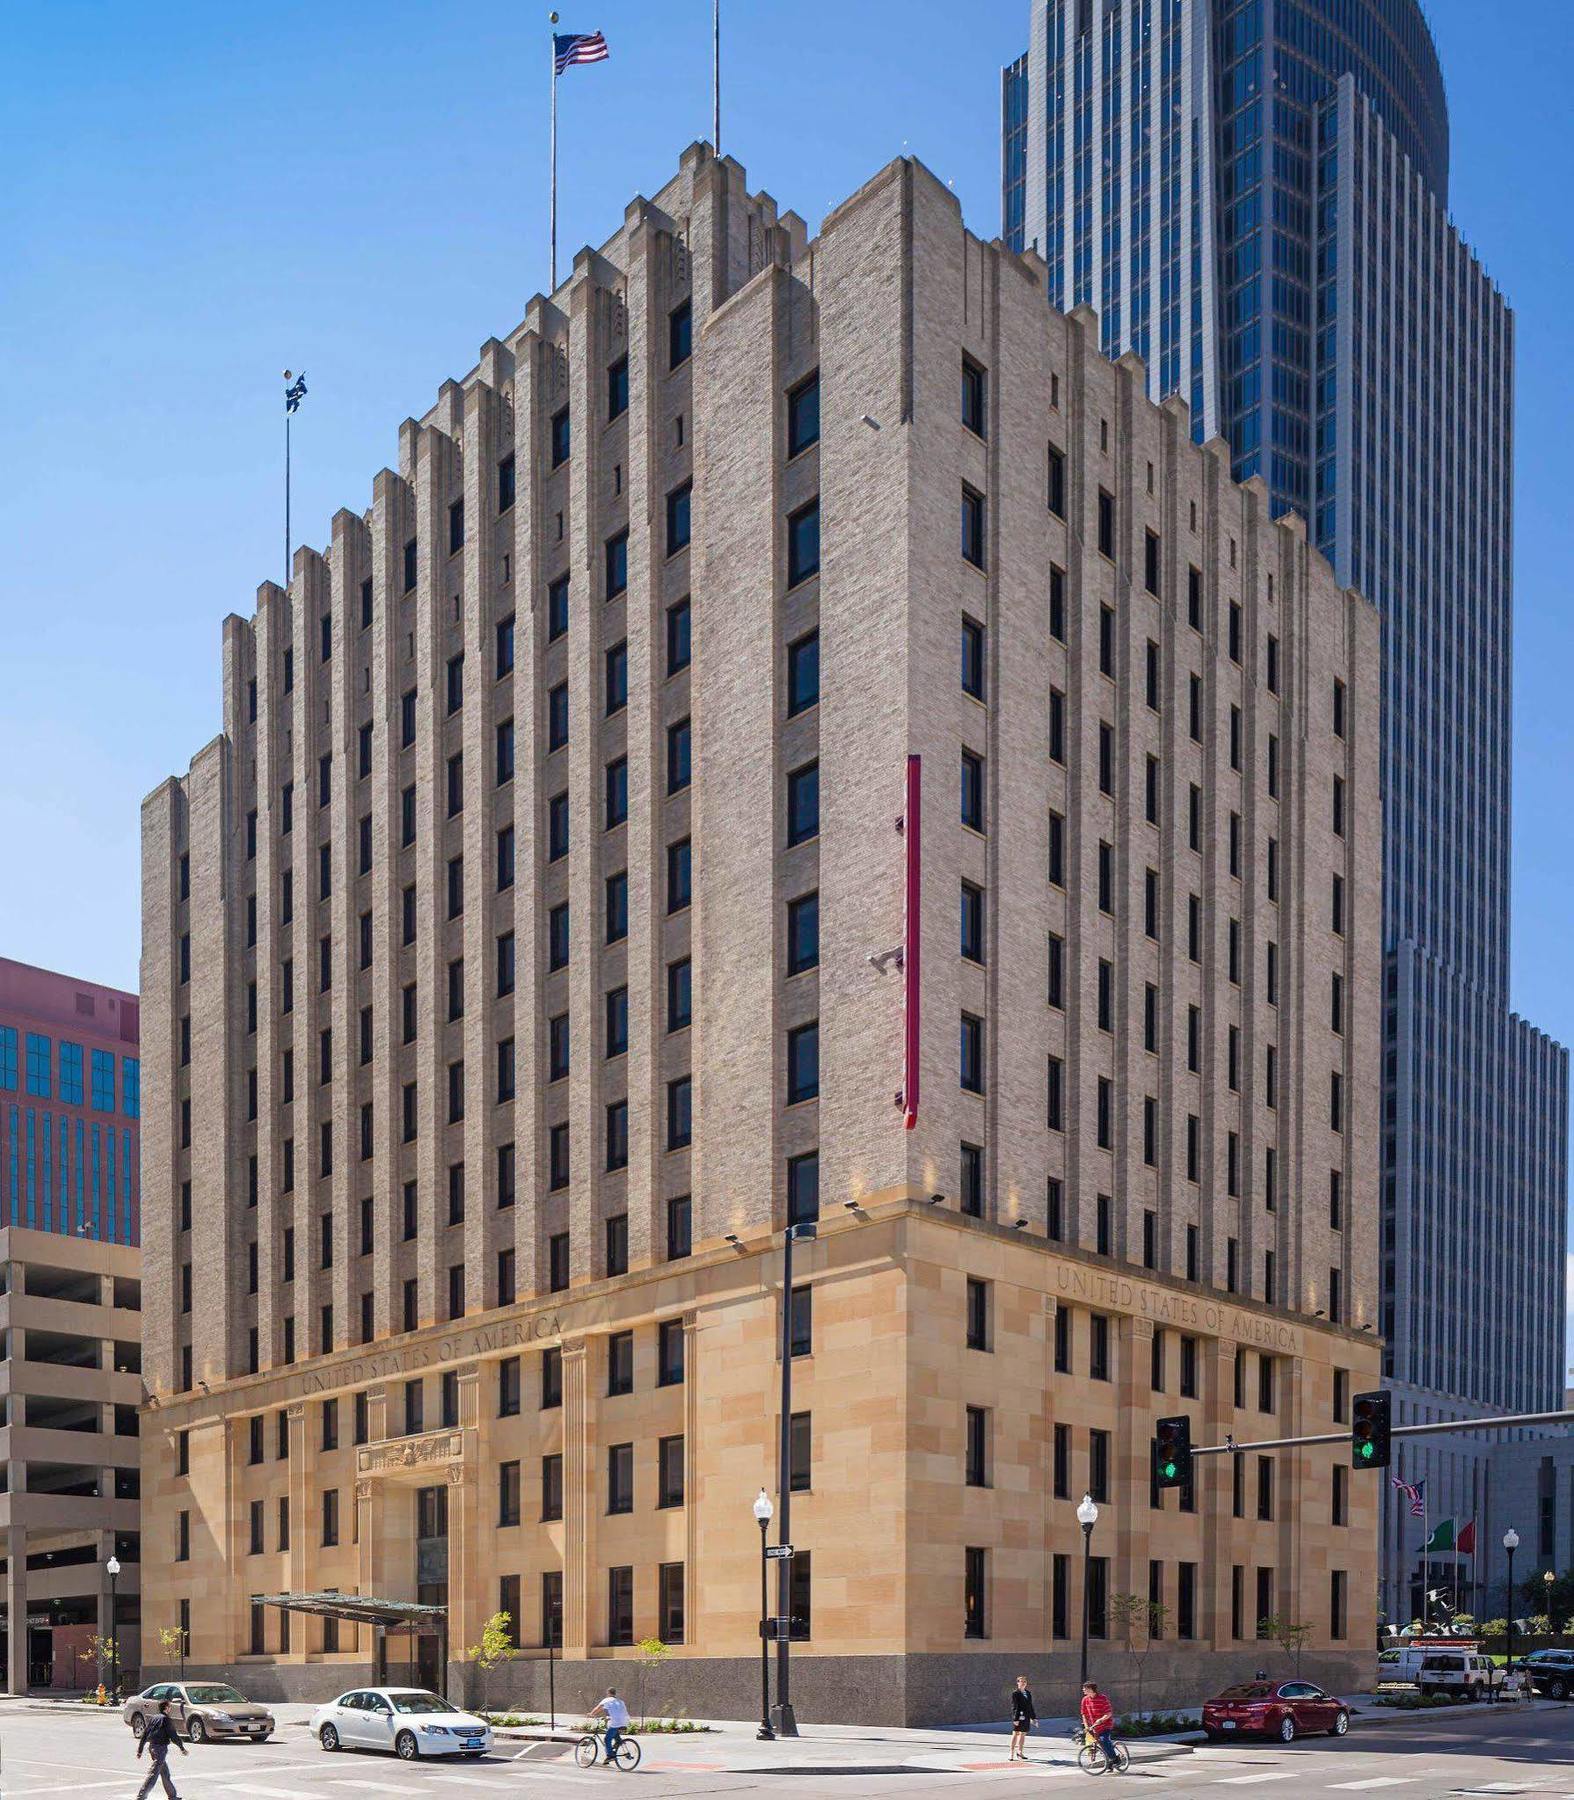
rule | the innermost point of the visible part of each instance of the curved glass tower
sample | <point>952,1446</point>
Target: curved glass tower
<point>1253,195</point>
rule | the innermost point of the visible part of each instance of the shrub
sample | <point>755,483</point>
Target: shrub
<point>1495,1628</point>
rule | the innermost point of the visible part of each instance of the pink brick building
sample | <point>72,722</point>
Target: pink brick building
<point>70,1106</point>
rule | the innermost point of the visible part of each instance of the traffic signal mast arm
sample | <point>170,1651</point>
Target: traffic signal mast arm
<point>1437,1428</point>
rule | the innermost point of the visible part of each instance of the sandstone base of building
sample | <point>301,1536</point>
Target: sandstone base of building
<point>966,1689</point>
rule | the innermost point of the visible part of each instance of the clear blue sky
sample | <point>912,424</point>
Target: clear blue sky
<point>198,196</point>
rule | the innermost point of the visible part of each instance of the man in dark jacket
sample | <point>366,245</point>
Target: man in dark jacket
<point>1023,1718</point>
<point>156,1740</point>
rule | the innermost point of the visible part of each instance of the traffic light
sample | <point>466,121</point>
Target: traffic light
<point>1370,1416</point>
<point>1172,1453</point>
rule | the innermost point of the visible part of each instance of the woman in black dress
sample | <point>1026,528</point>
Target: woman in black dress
<point>1023,1718</point>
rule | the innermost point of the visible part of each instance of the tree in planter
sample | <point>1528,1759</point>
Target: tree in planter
<point>1138,1622</point>
<point>172,1641</point>
<point>652,1654</point>
<point>101,1652</point>
<point>1287,1634</point>
<point>496,1646</point>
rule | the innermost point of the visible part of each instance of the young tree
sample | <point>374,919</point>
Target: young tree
<point>1137,1623</point>
<point>1288,1635</point>
<point>652,1654</point>
<point>496,1646</point>
<point>172,1641</point>
<point>100,1651</point>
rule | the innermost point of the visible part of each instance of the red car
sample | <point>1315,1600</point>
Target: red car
<point>1281,1709</point>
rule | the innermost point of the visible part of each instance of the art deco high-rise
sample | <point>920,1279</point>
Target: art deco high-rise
<point>538,891</point>
<point>1254,197</point>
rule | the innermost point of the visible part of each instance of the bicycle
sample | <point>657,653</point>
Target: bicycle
<point>588,1749</point>
<point>1091,1759</point>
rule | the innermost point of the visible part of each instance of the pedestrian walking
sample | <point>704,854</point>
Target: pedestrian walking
<point>156,1740</point>
<point>1023,1718</point>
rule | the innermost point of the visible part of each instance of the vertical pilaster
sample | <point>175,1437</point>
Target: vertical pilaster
<point>578,1500</point>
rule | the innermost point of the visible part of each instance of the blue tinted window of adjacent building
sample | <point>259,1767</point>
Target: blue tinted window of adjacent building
<point>12,1171</point>
<point>103,1081</point>
<point>45,1164</point>
<point>38,1049</point>
<point>70,1073</point>
<point>131,1086</point>
<point>32,1164</point>
<point>8,1059</point>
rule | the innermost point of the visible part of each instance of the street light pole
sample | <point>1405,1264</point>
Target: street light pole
<point>785,1723</point>
<point>1087,1518</point>
<point>762,1513</point>
<point>1510,1544</point>
<point>113,1567</point>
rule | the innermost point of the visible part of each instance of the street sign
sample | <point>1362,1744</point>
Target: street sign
<point>778,1552</point>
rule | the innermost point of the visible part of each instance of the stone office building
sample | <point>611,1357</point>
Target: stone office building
<point>530,916</point>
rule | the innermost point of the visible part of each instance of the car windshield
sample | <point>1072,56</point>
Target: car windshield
<point>1248,1690</point>
<point>213,1693</point>
<point>421,1703</point>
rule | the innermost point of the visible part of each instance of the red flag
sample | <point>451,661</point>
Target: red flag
<point>1465,1543</point>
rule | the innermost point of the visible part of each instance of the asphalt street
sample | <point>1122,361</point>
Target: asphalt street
<point>1468,1753</point>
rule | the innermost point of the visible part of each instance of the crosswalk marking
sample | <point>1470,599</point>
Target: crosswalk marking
<point>370,1787</point>
<point>272,1793</point>
<point>1253,1780</point>
<point>462,1780</point>
<point>1375,1781</point>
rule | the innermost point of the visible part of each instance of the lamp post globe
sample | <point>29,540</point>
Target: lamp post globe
<point>763,1513</point>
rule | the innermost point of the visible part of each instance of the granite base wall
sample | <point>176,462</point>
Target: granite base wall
<point>836,1690</point>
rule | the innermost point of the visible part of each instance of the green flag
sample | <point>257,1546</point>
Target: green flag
<point>1442,1537</point>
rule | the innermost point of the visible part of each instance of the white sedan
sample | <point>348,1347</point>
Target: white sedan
<point>408,1721</point>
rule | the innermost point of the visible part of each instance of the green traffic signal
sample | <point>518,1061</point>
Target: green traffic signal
<point>1366,1451</point>
<point>1172,1452</point>
<point>1370,1425</point>
<point>1169,1471</point>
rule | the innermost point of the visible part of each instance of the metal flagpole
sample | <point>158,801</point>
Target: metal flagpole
<point>715,74</point>
<point>552,17</point>
<point>286,490</point>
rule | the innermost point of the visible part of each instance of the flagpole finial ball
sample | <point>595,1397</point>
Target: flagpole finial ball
<point>288,376</point>
<point>551,18</point>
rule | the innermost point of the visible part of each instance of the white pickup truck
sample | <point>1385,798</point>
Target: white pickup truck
<point>1455,1668</point>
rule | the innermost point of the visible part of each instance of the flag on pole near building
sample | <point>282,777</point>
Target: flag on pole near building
<point>1465,1543</point>
<point>294,395</point>
<point>1412,1494</point>
<point>571,47</point>
<point>1442,1537</point>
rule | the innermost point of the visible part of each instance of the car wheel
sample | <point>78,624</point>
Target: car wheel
<point>1557,1689</point>
<point>1215,1737</point>
<point>405,1746</point>
<point>263,1736</point>
<point>328,1738</point>
<point>1341,1725</point>
<point>1287,1729</point>
<point>196,1731</point>
<point>138,1726</point>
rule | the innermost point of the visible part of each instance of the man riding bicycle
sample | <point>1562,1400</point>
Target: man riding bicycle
<point>1098,1720</point>
<point>616,1715</point>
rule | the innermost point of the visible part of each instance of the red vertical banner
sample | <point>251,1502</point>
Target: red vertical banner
<point>913,889</point>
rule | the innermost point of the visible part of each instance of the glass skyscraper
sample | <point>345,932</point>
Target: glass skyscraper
<point>1253,196</point>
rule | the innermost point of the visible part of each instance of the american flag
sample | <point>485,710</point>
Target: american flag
<point>1413,1494</point>
<point>578,47</point>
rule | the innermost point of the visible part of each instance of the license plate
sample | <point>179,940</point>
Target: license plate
<point>472,1743</point>
<point>1228,1724</point>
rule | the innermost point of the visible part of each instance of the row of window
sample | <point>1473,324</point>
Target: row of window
<point>42,1069</point>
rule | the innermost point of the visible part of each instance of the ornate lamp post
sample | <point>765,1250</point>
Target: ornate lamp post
<point>113,1569</point>
<point>1510,1544</point>
<point>762,1514</point>
<point>1087,1518</point>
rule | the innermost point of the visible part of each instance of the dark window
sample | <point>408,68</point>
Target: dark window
<point>680,335</point>
<point>972,789</point>
<point>617,678</point>
<point>803,933</point>
<point>561,440</point>
<point>505,483</point>
<point>972,527</point>
<point>618,388</point>
<point>803,804</point>
<point>617,1140</point>
<point>617,564</point>
<point>972,1054</point>
<point>803,415</point>
<point>669,1614</point>
<point>678,642</point>
<point>508,1493</point>
<point>557,608</point>
<point>557,827</point>
<point>456,527</point>
<point>678,517</point>
<point>680,1227</point>
<point>1057,482</point>
<point>1106,524</point>
<point>972,922</point>
<point>616,780</point>
<point>972,1173</point>
<point>617,1022</point>
<point>803,1063</point>
<point>680,741</point>
<point>803,543</point>
<point>1057,604</point>
<point>680,875</point>
<point>617,907</point>
<point>620,1363</point>
<point>803,673</point>
<point>620,1602</point>
<point>669,1471</point>
<point>977,1314</point>
<point>1150,563</point>
<point>680,1112</point>
<point>975,1585</point>
<point>975,390</point>
<point>620,1479</point>
<point>972,658</point>
<point>411,563</point>
<point>669,1353</point>
<point>800,1452</point>
<point>680,994</point>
